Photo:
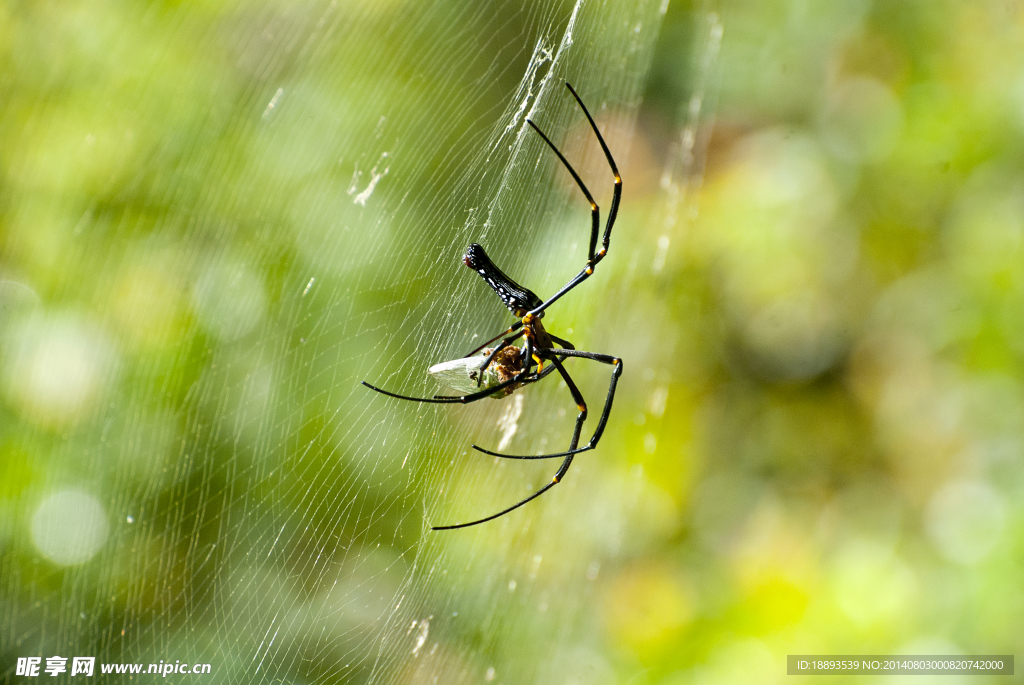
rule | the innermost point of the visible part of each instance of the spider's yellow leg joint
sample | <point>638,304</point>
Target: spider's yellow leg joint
<point>555,479</point>
<point>590,269</point>
<point>593,205</point>
<point>581,407</point>
<point>527,318</point>
<point>602,252</point>
<point>618,180</point>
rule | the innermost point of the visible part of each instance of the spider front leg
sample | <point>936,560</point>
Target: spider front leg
<point>581,405</point>
<point>566,463</point>
<point>616,363</point>
<point>554,481</point>
<point>522,378</point>
<point>460,399</point>
<point>564,343</point>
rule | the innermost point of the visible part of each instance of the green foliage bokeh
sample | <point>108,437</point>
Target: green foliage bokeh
<point>216,219</point>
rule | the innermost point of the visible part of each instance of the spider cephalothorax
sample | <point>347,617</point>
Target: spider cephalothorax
<point>505,367</point>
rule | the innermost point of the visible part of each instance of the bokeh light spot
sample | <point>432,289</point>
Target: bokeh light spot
<point>230,300</point>
<point>965,521</point>
<point>55,369</point>
<point>646,606</point>
<point>871,584</point>
<point>861,121</point>
<point>69,527</point>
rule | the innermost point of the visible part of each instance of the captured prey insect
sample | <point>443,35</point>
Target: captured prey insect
<point>498,371</point>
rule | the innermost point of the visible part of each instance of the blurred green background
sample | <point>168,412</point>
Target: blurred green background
<point>217,218</point>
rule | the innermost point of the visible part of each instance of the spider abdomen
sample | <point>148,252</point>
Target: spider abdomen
<point>518,299</point>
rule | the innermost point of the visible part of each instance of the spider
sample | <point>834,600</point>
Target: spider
<point>529,366</point>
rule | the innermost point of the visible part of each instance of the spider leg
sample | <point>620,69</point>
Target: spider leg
<point>514,327</point>
<point>522,378</point>
<point>617,194</point>
<point>457,399</point>
<point>564,343</point>
<point>595,211</point>
<point>616,363</point>
<point>494,353</point>
<point>577,397</point>
<point>593,257</point>
<point>556,479</point>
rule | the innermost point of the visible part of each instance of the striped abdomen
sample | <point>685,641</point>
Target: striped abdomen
<point>518,299</point>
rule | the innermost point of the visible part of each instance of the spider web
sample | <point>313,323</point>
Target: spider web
<point>278,212</point>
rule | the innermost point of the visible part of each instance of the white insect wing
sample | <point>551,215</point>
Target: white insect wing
<point>461,374</point>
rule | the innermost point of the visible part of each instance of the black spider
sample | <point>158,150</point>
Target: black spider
<point>540,344</point>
